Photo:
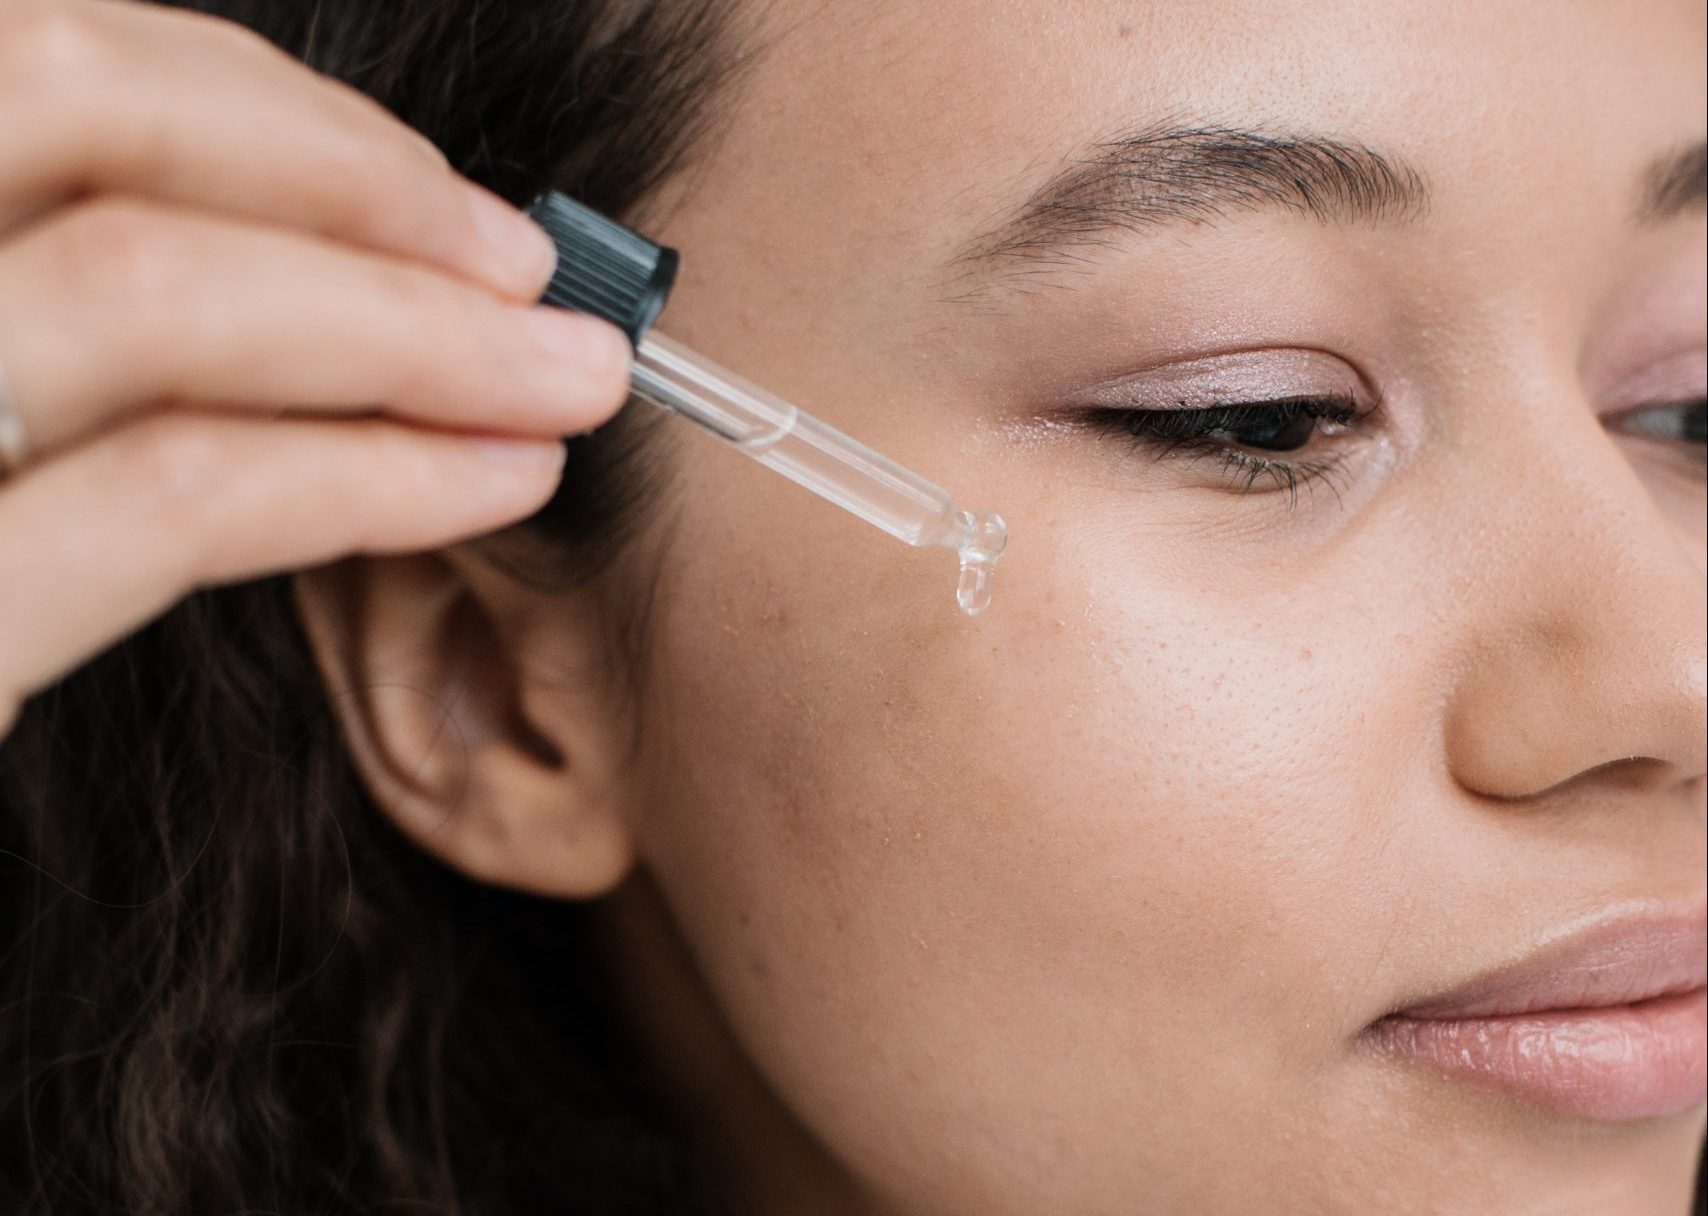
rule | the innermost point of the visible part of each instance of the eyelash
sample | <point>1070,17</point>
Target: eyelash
<point>1686,417</point>
<point>1207,432</point>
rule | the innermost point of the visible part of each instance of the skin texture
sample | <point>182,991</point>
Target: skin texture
<point>1081,907</point>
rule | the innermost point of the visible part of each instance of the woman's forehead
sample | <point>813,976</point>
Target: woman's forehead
<point>879,144</point>
<point>921,125</point>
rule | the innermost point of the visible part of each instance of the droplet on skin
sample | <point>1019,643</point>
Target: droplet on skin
<point>973,591</point>
<point>986,536</point>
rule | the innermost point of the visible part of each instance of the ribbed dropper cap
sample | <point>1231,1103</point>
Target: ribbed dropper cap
<point>602,267</point>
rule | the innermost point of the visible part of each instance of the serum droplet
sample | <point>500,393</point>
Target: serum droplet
<point>973,591</point>
<point>983,538</point>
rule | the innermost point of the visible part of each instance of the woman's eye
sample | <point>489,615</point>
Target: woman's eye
<point>1283,425</point>
<point>1681,422</point>
<point>1260,445</point>
<point>1271,429</point>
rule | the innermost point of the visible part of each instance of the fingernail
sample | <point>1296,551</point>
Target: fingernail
<point>586,343</point>
<point>522,453</point>
<point>518,246</point>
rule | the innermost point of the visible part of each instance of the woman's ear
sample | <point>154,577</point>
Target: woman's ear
<point>483,718</point>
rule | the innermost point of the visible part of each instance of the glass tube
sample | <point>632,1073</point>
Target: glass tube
<point>823,459</point>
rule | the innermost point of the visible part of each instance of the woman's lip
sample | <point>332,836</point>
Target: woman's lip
<point>1605,1021</point>
<point>1641,1061</point>
<point>1611,962</point>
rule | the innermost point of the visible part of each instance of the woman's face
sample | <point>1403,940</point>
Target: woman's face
<point>1082,906</point>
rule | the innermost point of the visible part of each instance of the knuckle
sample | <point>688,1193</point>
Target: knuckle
<point>46,46</point>
<point>353,178</point>
<point>110,250</point>
<point>403,478</point>
<point>434,323</point>
<point>232,35</point>
<point>411,475</point>
<point>378,188</point>
<point>181,468</point>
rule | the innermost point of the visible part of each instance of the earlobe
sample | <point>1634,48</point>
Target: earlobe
<point>467,722</point>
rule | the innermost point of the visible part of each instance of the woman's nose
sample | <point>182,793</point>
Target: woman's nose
<point>1586,652</point>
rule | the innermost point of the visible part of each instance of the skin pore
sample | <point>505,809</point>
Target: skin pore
<point>1081,907</point>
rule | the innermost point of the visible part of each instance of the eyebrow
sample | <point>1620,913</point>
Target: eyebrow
<point>1172,174</point>
<point>1168,174</point>
<point>1676,184</point>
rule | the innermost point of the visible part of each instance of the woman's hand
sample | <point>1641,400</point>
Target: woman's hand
<point>248,322</point>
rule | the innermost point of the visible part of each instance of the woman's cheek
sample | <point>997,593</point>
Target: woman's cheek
<point>956,857</point>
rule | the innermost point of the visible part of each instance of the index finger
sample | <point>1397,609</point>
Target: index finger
<point>103,97</point>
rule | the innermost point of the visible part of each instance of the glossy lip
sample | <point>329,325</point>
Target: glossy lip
<point>1607,1021</point>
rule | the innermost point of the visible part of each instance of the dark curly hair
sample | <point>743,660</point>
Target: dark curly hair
<point>226,984</point>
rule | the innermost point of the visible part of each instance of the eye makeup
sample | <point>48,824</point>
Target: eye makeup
<point>1254,375</point>
<point>1664,400</point>
<point>1264,420</point>
<point>1244,438</point>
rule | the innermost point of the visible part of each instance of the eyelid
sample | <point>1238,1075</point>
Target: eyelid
<point>1678,379</point>
<point>1241,376</point>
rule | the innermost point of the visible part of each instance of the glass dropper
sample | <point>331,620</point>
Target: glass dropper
<point>607,269</point>
<point>824,460</point>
